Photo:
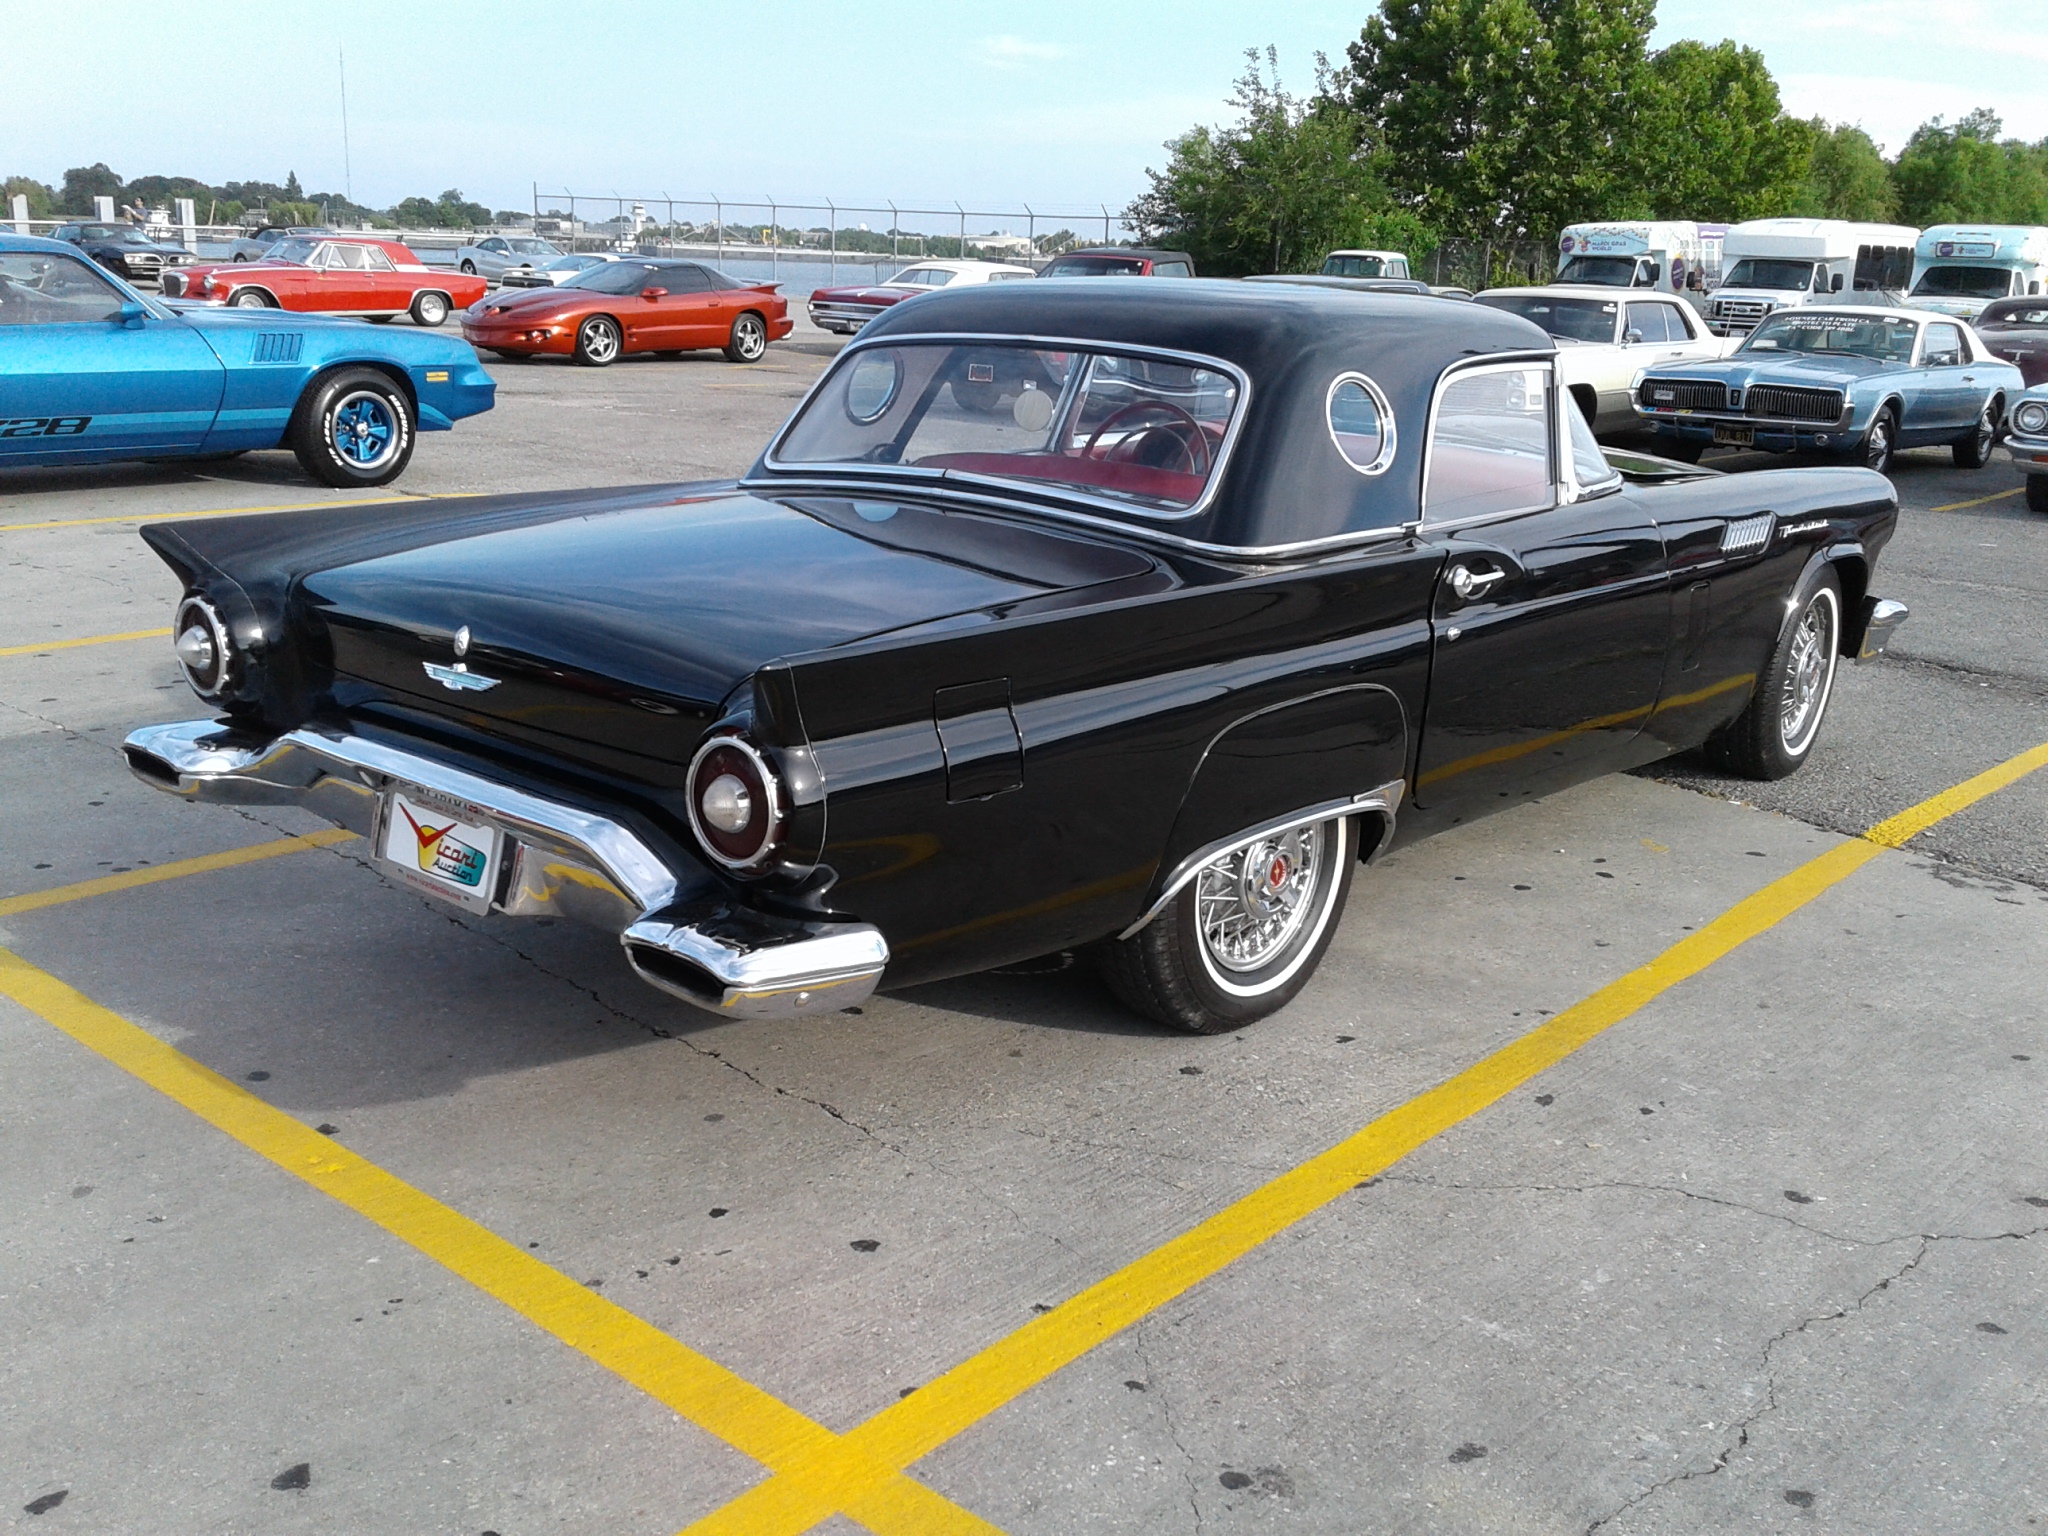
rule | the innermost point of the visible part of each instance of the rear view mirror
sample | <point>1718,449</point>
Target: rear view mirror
<point>131,314</point>
<point>1631,338</point>
<point>1836,285</point>
<point>653,293</point>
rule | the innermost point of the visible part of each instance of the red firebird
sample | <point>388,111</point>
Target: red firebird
<point>377,279</point>
<point>641,304</point>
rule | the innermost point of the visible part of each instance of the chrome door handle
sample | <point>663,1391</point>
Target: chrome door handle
<point>1468,583</point>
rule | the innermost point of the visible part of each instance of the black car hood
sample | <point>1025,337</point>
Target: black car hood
<point>629,627</point>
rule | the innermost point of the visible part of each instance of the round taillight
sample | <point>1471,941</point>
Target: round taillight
<point>735,802</point>
<point>200,639</point>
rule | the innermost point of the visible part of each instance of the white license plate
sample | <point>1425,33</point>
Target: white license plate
<point>432,848</point>
<point>1741,437</point>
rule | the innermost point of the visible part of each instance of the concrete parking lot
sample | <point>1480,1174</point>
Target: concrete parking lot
<point>1670,1155</point>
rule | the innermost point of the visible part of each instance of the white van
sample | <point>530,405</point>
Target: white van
<point>1641,255</point>
<point>1775,263</point>
<point>1960,268</point>
<point>1365,264</point>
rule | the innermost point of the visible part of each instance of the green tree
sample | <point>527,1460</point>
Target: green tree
<point>1503,119</point>
<point>83,183</point>
<point>1966,174</point>
<point>1276,190</point>
<point>293,192</point>
<point>1711,140</point>
<point>1847,177</point>
<point>42,198</point>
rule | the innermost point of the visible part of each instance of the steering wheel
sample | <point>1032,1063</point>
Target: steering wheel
<point>1197,438</point>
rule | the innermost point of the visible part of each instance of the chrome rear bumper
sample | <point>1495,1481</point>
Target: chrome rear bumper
<point>1881,615</point>
<point>561,861</point>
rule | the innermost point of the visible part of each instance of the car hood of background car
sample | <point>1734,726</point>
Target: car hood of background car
<point>869,293</point>
<point>628,627</point>
<point>1831,372</point>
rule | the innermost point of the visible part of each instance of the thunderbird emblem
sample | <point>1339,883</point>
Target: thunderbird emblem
<point>458,678</point>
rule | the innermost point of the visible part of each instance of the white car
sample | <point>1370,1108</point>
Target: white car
<point>550,274</point>
<point>498,256</point>
<point>848,309</point>
<point>1605,339</point>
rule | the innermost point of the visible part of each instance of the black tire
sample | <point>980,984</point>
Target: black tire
<point>1171,972</point>
<point>982,399</point>
<point>469,269</point>
<point>251,298</point>
<point>431,308</point>
<point>378,319</point>
<point>353,428</point>
<point>1776,732</point>
<point>1974,451</point>
<point>599,341</point>
<point>749,340</point>
<point>239,256</point>
<point>2037,493</point>
<point>1880,442</point>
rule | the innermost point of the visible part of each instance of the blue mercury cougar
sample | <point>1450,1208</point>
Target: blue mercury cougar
<point>1855,381</point>
<point>91,371</point>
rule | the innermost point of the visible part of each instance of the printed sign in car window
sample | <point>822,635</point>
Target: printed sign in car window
<point>1848,335</point>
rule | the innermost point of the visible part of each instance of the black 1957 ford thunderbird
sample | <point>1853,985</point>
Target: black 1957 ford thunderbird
<point>1055,616</point>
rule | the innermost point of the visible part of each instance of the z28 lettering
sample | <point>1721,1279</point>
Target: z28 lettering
<point>45,426</point>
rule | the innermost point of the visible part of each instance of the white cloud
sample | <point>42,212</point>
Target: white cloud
<point>1008,51</point>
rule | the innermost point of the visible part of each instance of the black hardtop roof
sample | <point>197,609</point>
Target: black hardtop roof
<point>1285,483</point>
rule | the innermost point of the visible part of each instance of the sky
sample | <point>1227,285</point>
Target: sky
<point>1056,104</point>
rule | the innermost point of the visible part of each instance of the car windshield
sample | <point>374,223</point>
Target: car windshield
<point>291,250</point>
<point>533,248</point>
<point>2016,315</point>
<point>1606,271</point>
<point>1140,433</point>
<point>1963,283</point>
<point>38,288</point>
<point>1873,336</point>
<point>1344,265</point>
<point>571,264</point>
<point>1095,266</point>
<point>920,277</point>
<point>1765,272</point>
<point>1567,319</point>
<point>617,277</point>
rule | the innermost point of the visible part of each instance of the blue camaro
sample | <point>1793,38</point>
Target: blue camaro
<point>1845,379</point>
<point>91,371</point>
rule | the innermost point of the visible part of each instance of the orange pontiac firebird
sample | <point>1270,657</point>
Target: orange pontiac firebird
<point>641,304</point>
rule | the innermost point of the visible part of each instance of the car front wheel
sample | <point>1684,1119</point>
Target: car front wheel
<point>429,308</point>
<point>355,429</point>
<point>1974,451</point>
<point>2037,493</point>
<point>749,343</point>
<point>1243,936</point>
<point>597,341</point>
<point>250,298</point>
<point>1775,734</point>
<point>1879,442</point>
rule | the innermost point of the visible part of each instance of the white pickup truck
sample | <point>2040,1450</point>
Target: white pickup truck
<point>1606,338</point>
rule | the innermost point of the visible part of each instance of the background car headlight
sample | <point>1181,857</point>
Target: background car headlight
<point>735,803</point>
<point>2032,416</point>
<point>205,653</point>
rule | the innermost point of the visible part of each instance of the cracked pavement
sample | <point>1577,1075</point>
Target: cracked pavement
<point>1765,1257</point>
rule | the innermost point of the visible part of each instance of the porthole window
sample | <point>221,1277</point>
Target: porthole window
<point>1361,423</point>
<point>871,386</point>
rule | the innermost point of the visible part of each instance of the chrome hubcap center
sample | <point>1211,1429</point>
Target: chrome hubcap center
<point>1253,900</point>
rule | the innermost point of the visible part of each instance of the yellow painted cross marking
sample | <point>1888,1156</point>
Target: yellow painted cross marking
<point>1981,501</point>
<point>939,1410</point>
<point>70,645</point>
<point>157,873</point>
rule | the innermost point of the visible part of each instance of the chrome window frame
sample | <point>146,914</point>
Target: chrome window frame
<point>1922,342</point>
<point>1497,363</point>
<point>1389,434</point>
<point>1052,488</point>
<point>1570,487</point>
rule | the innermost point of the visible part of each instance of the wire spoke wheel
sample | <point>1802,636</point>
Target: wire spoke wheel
<point>364,433</point>
<point>1253,900</point>
<point>1809,673</point>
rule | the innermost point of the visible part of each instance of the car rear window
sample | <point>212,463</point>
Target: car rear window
<point>1142,433</point>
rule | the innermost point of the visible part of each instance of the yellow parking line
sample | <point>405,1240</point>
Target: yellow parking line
<point>1958,506</point>
<point>940,1410</point>
<point>69,645</point>
<point>155,874</point>
<point>172,517</point>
